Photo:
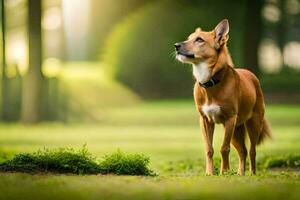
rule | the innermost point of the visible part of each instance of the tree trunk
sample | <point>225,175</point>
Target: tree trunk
<point>282,26</point>
<point>5,87</point>
<point>252,34</point>
<point>33,80</point>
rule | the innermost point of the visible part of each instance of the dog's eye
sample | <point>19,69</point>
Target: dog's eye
<point>199,39</point>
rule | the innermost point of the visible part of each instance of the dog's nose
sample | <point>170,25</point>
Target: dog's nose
<point>177,46</point>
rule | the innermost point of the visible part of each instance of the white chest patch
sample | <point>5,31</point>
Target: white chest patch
<point>212,111</point>
<point>201,72</point>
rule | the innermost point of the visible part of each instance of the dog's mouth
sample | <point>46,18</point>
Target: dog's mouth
<point>188,55</point>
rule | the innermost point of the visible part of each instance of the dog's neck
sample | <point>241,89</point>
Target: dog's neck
<point>204,71</point>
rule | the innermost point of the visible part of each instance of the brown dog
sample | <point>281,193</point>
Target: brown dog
<point>224,95</point>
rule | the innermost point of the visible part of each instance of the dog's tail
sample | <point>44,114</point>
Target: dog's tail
<point>265,132</point>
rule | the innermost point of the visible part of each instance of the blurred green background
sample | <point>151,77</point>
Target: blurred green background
<point>72,67</point>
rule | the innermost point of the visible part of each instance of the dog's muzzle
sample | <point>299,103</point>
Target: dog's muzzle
<point>179,50</point>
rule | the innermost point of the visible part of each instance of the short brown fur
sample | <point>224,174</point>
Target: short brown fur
<point>238,95</point>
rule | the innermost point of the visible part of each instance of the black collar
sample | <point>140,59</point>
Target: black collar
<point>213,81</point>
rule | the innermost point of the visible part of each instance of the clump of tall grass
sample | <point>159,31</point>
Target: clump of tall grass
<point>125,164</point>
<point>68,160</point>
<point>284,161</point>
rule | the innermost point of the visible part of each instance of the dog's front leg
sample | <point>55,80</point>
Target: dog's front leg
<point>207,129</point>
<point>225,149</point>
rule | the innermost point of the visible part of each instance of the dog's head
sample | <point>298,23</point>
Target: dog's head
<point>202,46</point>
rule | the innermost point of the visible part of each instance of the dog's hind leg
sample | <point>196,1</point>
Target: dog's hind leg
<point>254,127</point>
<point>257,128</point>
<point>238,141</point>
<point>207,129</point>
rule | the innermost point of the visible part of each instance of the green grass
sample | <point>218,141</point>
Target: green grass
<point>20,186</point>
<point>168,132</point>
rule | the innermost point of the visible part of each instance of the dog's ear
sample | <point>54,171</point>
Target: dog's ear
<point>221,31</point>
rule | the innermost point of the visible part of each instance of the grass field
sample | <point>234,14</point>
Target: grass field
<point>168,132</point>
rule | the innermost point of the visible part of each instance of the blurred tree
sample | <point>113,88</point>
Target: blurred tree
<point>253,24</point>
<point>4,84</point>
<point>140,51</point>
<point>282,26</point>
<point>33,80</point>
<point>112,12</point>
